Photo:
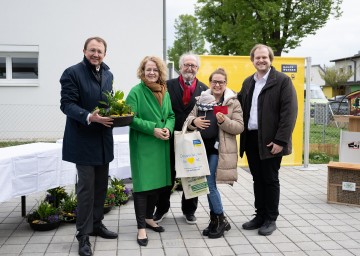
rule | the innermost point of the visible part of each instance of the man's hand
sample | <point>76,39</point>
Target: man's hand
<point>201,123</point>
<point>104,120</point>
<point>275,148</point>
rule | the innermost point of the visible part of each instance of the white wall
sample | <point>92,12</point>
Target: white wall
<point>315,76</point>
<point>345,65</point>
<point>132,29</point>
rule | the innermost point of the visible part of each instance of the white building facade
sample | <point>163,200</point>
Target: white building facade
<point>40,39</point>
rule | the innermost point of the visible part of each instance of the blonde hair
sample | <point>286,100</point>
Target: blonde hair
<point>160,64</point>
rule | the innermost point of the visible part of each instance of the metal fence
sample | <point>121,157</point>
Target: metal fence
<point>325,127</point>
<point>31,122</point>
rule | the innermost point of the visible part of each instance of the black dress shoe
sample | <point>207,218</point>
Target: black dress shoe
<point>142,242</point>
<point>103,232</point>
<point>267,228</point>
<point>255,223</point>
<point>156,229</point>
<point>84,246</point>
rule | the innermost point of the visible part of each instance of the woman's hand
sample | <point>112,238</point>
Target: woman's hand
<point>166,132</point>
<point>220,117</point>
<point>162,133</point>
<point>201,123</point>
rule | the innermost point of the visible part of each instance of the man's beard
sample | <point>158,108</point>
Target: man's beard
<point>188,76</point>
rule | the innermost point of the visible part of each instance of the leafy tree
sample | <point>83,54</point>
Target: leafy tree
<point>233,27</point>
<point>187,38</point>
<point>336,77</point>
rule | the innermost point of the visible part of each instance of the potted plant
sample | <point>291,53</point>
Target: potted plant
<point>116,108</point>
<point>68,208</point>
<point>121,192</point>
<point>45,217</point>
<point>110,200</point>
<point>55,195</point>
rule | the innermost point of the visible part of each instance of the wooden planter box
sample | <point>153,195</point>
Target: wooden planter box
<point>343,179</point>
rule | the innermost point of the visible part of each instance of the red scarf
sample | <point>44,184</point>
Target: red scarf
<point>188,90</point>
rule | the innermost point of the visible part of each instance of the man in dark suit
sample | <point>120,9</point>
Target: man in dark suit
<point>183,91</point>
<point>269,103</point>
<point>88,140</point>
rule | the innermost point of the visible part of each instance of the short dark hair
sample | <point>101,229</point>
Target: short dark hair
<point>99,39</point>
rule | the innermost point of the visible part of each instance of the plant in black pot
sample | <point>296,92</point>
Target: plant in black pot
<point>110,200</point>
<point>68,208</point>
<point>55,195</point>
<point>45,217</point>
<point>121,192</point>
<point>116,108</point>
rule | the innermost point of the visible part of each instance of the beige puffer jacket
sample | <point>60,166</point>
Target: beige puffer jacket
<point>232,126</point>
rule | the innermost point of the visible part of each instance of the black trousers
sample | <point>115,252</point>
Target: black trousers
<point>188,206</point>
<point>91,192</point>
<point>266,179</point>
<point>144,204</point>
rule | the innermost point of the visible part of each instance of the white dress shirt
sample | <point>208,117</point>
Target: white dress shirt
<point>259,85</point>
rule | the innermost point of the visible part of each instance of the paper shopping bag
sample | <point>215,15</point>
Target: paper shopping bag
<point>190,154</point>
<point>195,186</point>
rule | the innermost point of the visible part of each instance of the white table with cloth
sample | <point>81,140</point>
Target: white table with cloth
<point>120,166</point>
<point>36,167</point>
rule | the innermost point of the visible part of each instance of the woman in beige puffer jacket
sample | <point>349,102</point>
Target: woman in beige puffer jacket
<point>218,131</point>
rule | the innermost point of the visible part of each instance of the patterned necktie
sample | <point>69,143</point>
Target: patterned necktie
<point>187,90</point>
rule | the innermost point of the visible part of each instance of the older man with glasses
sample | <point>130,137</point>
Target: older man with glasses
<point>183,91</point>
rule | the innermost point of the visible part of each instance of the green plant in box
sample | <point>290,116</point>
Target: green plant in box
<point>114,105</point>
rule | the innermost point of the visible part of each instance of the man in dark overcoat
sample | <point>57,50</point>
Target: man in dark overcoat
<point>269,103</point>
<point>183,91</point>
<point>88,140</point>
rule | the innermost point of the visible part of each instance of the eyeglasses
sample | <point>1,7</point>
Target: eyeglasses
<point>190,66</point>
<point>93,51</point>
<point>214,82</point>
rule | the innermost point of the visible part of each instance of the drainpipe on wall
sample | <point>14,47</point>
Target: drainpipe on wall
<point>164,30</point>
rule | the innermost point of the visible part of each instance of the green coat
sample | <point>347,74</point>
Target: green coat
<point>149,156</point>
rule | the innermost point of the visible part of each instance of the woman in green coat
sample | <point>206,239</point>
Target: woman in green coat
<point>150,131</point>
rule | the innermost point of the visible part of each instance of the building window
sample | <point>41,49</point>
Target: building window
<point>350,68</point>
<point>19,65</point>
<point>2,68</point>
<point>24,68</point>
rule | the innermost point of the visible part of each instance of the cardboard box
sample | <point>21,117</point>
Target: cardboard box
<point>343,183</point>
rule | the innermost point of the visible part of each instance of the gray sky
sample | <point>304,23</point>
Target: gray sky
<point>339,38</point>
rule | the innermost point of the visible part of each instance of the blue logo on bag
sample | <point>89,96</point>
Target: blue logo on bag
<point>197,143</point>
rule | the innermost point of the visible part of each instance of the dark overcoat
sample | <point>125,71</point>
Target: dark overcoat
<point>83,143</point>
<point>277,112</point>
<point>182,111</point>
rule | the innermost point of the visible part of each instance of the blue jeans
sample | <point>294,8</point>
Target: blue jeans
<point>214,198</point>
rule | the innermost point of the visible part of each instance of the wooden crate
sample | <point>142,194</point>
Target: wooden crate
<point>339,172</point>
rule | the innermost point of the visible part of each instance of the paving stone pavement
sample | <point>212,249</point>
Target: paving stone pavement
<point>307,225</point>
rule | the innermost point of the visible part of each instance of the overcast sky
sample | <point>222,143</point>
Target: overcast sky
<point>338,39</point>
